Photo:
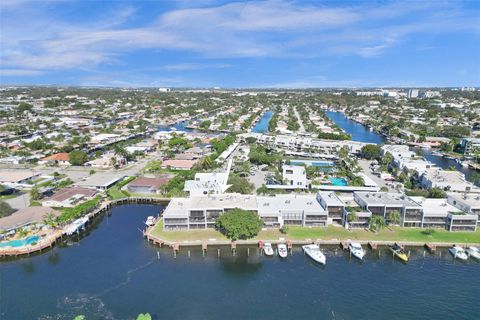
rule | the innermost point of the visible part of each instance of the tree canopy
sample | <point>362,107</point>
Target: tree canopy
<point>239,224</point>
<point>78,157</point>
<point>371,151</point>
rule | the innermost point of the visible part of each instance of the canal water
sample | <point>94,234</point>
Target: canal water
<point>262,125</point>
<point>358,131</point>
<point>113,273</point>
<point>362,134</point>
<point>180,126</point>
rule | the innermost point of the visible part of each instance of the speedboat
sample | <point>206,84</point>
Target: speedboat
<point>399,252</point>
<point>150,221</point>
<point>267,249</point>
<point>356,249</point>
<point>313,251</point>
<point>458,252</point>
<point>473,252</point>
<point>282,250</point>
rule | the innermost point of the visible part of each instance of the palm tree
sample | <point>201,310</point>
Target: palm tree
<point>377,223</point>
<point>351,217</point>
<point>394,217</point>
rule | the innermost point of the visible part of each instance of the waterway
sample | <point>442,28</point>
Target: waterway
<point>262,125</point>
<point>362,134</point>
<point>113,273</point>
<point>180,126</point>
<point>358,131</point>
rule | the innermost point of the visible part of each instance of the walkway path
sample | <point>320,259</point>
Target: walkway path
<point>300,122</point>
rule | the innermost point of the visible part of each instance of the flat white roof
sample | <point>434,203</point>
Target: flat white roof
<point>435,207</point>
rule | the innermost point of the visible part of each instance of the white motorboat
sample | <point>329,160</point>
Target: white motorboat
<point>267,249</point>
<point>314,252</point>
<point>356,250</point>
<point>282,250</point>
<point>458,252</point>
<point>150,221</point>
<point>473,252</point>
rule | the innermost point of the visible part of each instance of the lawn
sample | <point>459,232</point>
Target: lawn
<point>200,235</point>
<point>329,233</point>
<point>114,193</point>
<point>387,234</point>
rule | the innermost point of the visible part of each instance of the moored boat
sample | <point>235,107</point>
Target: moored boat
<point>356,250</point>
<point>150,221</point>
<point>473,252</point>
<point>267,249</point>
<point>314,252</point>
<point>282,250</point>
<point>458,252</point>
<point>399,252</point>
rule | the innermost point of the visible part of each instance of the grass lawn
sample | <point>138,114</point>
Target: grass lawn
<point>329,233</point>
<point>114,193</point>
<point>390,234</point>
<point>192,235</point>
<point>9,196</point>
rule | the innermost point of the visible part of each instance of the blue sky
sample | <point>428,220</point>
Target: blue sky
<point>207,43</point>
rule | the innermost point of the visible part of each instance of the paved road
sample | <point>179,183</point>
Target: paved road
<point>300,122</point>
<point>365,165</point>
<point>20,202</point>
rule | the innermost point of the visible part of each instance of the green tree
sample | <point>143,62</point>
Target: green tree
<point>239,184</point>
<point>436,193</point>
<point>394,217</point>
<point>371,151</point>
<point>5,209</point>
<point>343,152</point>
<point>144,316</point>
<point>376,223</point>
<point>239,224</point>
<point>35,194</point>
<point>352,216</point>
<point>78,157</point>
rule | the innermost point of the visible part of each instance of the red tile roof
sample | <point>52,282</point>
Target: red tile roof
<point>58,157</point>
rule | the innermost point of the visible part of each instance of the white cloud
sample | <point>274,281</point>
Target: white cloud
<point>33,38</point>
<point>194,66</point>
<point>20,72</point>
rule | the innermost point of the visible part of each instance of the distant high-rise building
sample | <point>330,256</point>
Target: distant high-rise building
<point>412,93</point>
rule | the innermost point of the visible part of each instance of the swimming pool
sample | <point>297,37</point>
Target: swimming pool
<point>313,163</point>
<point>20,242</point>
<point>339,182</point>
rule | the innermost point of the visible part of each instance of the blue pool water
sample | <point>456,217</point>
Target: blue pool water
<point>339,182</point>
<point>313,163</point>
<point>20,242</point>
<point>262,125</point>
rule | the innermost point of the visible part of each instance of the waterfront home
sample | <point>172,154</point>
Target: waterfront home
<point>200,212</point>
<point>384,203</point>
<point>467,202</point>
<point>435,211</point>
<point>69,197</point>
<point>18,178</point>
<point>25,217</point>
<point>100,181</point>
<point>470,145</point>
<point>62,158</point>
<point>446,180</point>
<point>332,204</point>
<point>147,185</point>
<point>286,209</point>
<point>462,222</point>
